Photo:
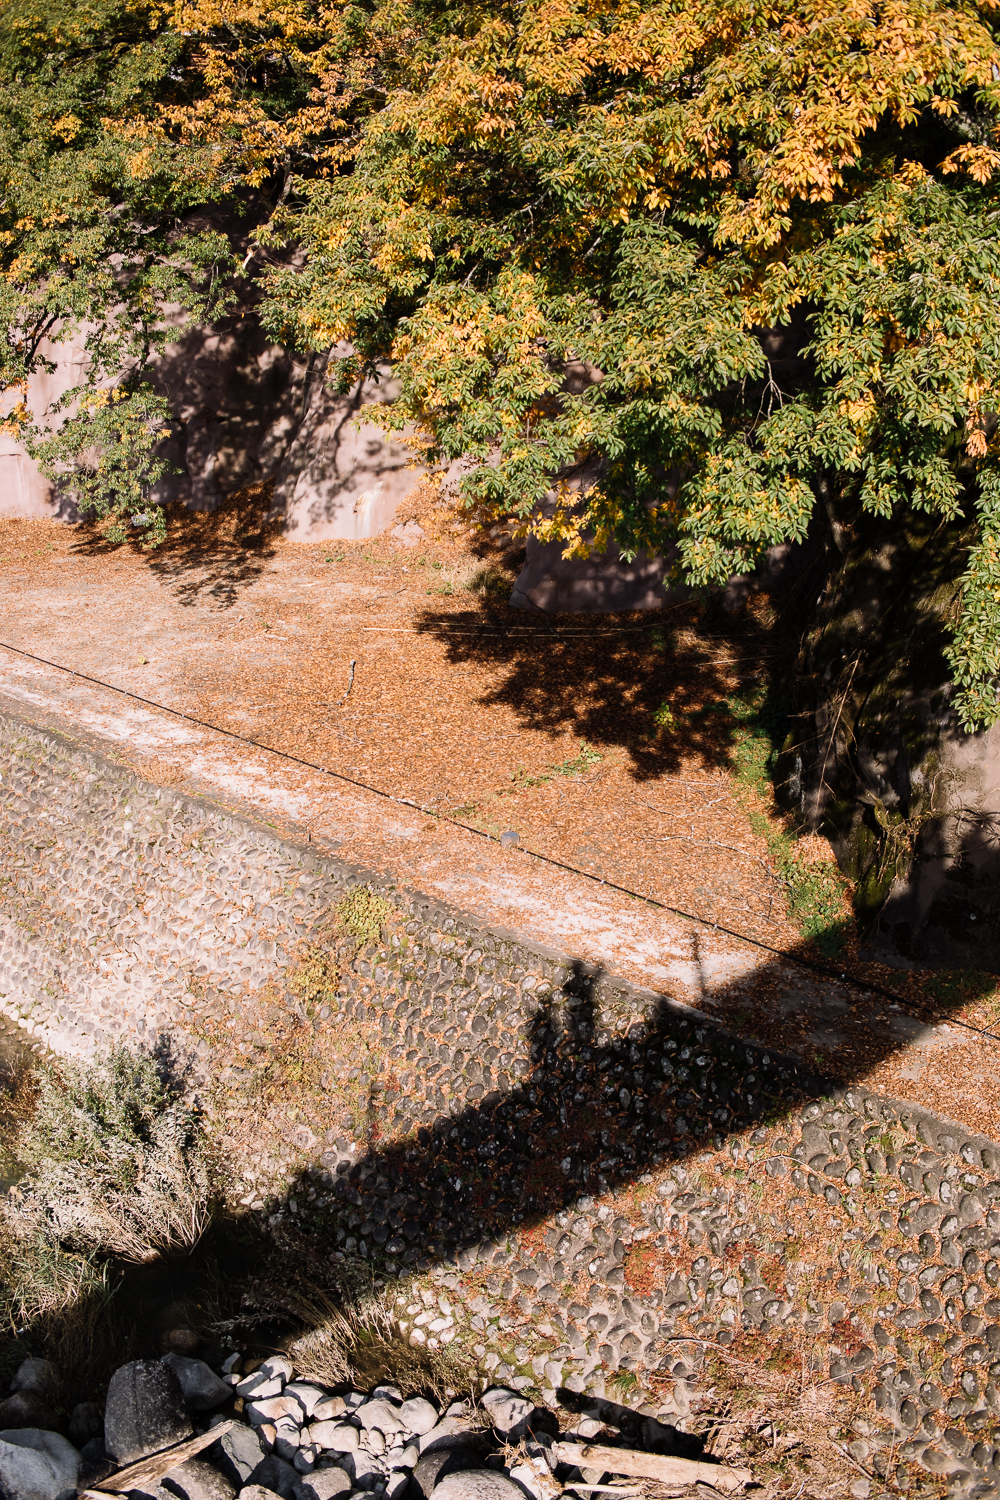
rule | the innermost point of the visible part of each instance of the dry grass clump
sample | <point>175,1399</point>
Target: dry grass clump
<point>348,1331</point>
<point>111,1167</point>
<point>763,1405</point>
<point>112,1163</point>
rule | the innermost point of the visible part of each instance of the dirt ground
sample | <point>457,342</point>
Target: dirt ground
<point>608,744</point>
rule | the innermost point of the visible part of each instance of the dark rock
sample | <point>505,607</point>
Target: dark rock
<point>25,1409</point>
<point>144,1411</point>
<point>180,1340</point>
<point>95,1464</point>
<point>274,1474</point>
<point>38,1377</point>
<point>86,1421</point>
<point>435,1466</point>
<point>238,1454</point>
<point>203,1390</point>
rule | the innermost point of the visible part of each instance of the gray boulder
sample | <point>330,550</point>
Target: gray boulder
<point>144,1411</point>
<point>36,1465</point>
<point>508,1411</point>
<point>323,1484</point>
<point>258,1492</point>
<point>238,1454</point>
<point>38,1376</point>
<point>195,1480</point>
<point>201,1386</point>
<point>433,1467</point>
<point>478,1484</point>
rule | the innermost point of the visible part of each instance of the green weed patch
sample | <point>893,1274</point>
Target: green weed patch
<point>816,892</point>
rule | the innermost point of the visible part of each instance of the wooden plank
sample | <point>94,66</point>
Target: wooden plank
<point>649,1465</point>
<point>149,1471</point>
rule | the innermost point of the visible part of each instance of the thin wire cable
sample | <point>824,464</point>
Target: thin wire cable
<point>492,838</point>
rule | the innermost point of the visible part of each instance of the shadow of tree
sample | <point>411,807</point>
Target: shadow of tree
<point>655,683</point>
<point>209,557</point>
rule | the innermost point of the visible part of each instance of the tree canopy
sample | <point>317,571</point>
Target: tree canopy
<point>669,274</point>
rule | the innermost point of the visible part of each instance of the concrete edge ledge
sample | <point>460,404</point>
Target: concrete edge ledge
<point>574,977</point>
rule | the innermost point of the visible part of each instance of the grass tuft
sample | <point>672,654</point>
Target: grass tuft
<point>818,895</point>
<point>363,913</point>
<point>110,1161</point>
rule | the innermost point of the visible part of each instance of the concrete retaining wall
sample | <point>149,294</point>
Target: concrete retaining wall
<point>612,1186</point>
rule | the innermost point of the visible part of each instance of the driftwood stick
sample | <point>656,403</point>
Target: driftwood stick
<point>649,1465</point>
<point>149,1471</point>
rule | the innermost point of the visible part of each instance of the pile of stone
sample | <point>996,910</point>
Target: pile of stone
<point>263,1434</point>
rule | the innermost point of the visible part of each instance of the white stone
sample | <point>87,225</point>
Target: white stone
<point>381,1414</point>
<point>332,1406</point>
<point>418,1415</point>
<point>537,1478</point>
<point>308,1396</point>
<point>259,1386</point>
<point>340,1437</point>
<point>477,1484</point>
<point>506,1410</point>
<point>277,1367</point>
<point>272,1410</point>
<point>588,1428</point>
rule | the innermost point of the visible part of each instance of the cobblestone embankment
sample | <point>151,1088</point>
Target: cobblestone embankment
<point>588,1190</point>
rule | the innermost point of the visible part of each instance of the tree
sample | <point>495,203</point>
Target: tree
<point>639,196</point>
<point>92,240</point>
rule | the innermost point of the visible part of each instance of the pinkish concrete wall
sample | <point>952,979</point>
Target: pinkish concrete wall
<point>245,410</point>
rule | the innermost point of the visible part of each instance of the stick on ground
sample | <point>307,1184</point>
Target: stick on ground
<point>149,1471</point>
<point>650,1465</point>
